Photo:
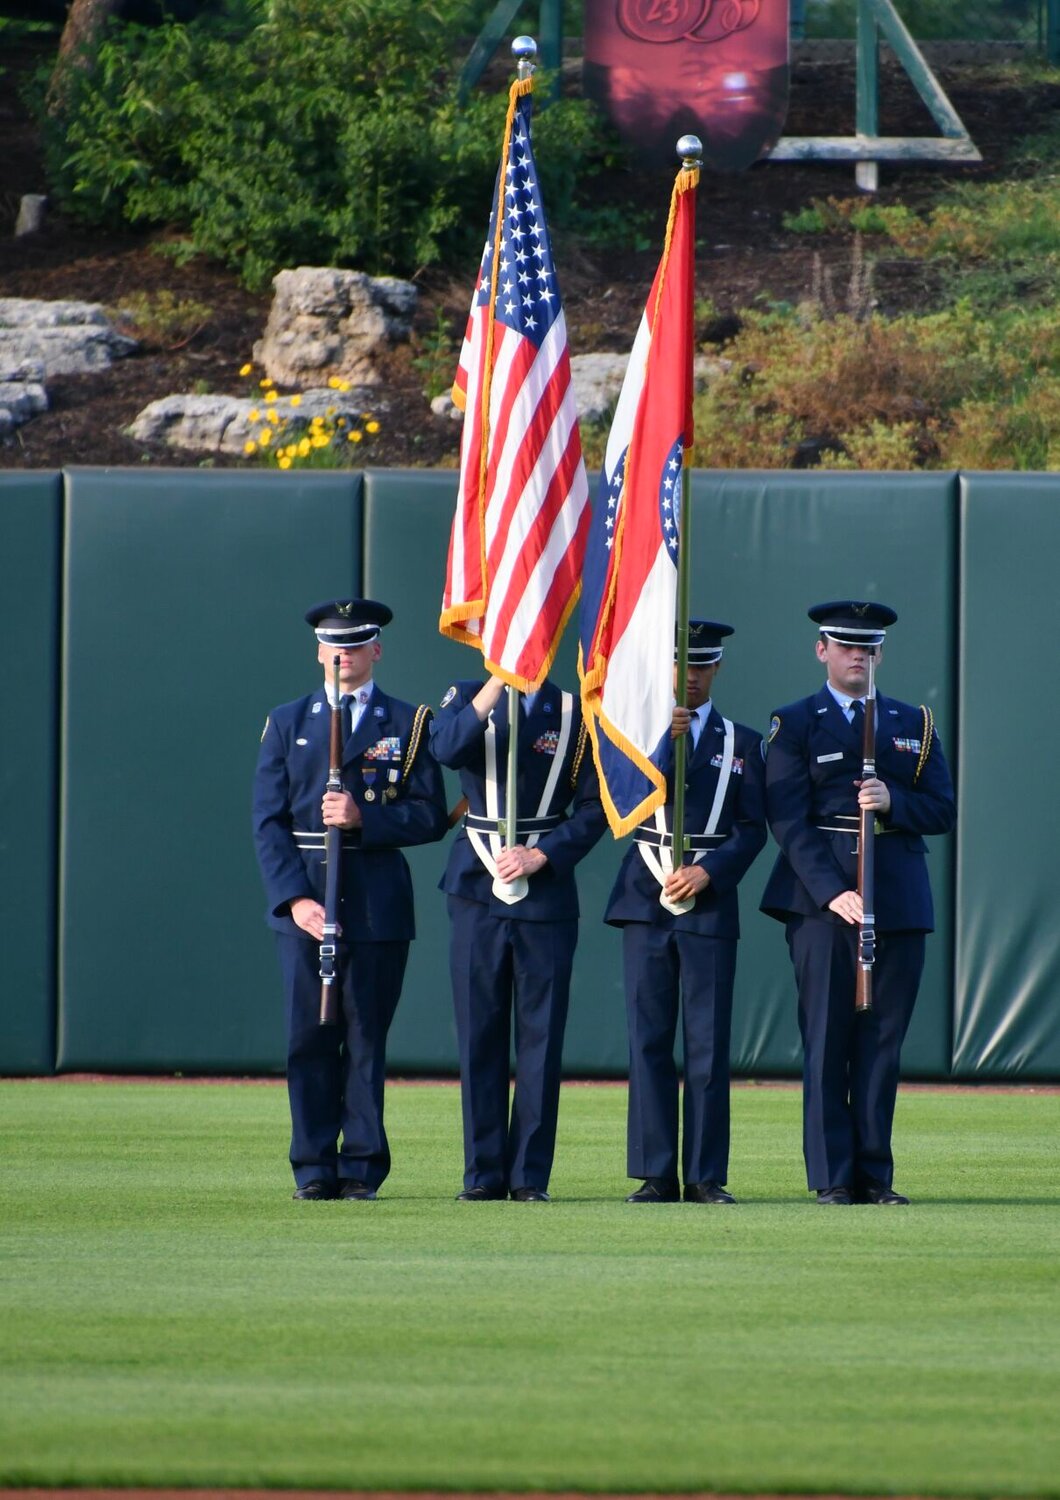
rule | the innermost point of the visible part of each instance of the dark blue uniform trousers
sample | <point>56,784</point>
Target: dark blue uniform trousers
<point>500,965</point>
<point>851,1061</point>
<point>665,967</point>
<point>336,1074</point>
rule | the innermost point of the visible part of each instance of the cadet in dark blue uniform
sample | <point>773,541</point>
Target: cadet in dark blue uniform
<point>393,796</point>
<point>679,933</point>
<point>813,770</point>
<point>514,922</point>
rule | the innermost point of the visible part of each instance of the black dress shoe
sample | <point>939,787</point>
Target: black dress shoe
<point>707,1192</point>
<point>350,1188</point>
<point>656,1190</point>
<point>873,1191</point>
<point>315,1191</point>
<point>481,1195</point>
<point>530,1195</point>
<point>832,1197</point>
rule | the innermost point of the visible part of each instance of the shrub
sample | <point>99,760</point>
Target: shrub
<point>295,132</point>
<point>949,390</point>
<point>160,318</point>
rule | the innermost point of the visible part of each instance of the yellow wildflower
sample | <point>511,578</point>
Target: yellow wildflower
<point>355,436</point>
<point>265,383</point>
<point>317,422</point>
<point>321,440</point>
<point>284,461</point>
<point>265,436</point>
<point>246,369</point>
<point>271,396</point>
<point>372,426</point>
<point>273,416</point>
<point>334,382</point>
<point>296,400</point>
<point>250,446</point>
<point>343,385</point>
<point>304,447</point>
<point>253,415</point>
<point>329,411</point>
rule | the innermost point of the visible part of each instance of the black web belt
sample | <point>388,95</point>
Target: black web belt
<point>657,840</point>
<point>305,840</point>
<point>523,826</point>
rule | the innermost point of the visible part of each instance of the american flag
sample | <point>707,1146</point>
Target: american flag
<point>629,589</point>
<point>522,514</point>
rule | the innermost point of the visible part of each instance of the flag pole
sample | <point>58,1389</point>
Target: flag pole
<point>690,150</point>
<point>524,50</point>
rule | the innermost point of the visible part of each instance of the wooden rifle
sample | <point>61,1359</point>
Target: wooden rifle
<point>333,864</point>
<point>867,851</point>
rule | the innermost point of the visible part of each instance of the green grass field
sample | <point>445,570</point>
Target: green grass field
<point>168,1316</point>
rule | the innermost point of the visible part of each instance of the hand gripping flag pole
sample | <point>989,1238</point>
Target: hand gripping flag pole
<point>522,516</point>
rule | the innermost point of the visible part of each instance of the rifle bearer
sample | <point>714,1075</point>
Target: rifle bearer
<point>390,796</point>
<point>815,791</point>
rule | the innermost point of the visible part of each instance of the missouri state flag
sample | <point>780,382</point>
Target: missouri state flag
<point>522,513</point>
<point>629,585</point>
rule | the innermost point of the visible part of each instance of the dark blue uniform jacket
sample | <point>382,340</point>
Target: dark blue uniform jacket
<point>458,741</point>
<point>812,763</point>
<point>635,897</point>
<point>376,887</point>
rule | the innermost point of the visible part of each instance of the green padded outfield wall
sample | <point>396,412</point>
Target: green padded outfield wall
<point>184,596</point>
<point>1007,1014</point>
<point>30,531</point>
<point>764,548</point>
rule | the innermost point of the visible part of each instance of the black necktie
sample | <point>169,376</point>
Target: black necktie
<point>857,721</point>
<point>347,716</point>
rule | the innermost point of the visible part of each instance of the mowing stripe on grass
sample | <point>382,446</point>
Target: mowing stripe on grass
<point>169,1317</point>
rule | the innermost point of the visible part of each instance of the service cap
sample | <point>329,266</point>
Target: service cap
<point>704,642</point>
<point>348,622</point>
<point>853,622</point>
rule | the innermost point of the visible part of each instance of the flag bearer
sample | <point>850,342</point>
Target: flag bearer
<point>514,922</point>
<point>679,934</point>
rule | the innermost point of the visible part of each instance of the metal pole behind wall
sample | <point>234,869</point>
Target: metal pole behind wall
<point>550,27</point>
<point>867,113</point>
<point>1052,32</point>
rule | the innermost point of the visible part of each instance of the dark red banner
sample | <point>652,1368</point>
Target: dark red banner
<point>716,68</point>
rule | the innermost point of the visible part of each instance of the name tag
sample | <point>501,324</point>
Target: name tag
<point>835,755</point>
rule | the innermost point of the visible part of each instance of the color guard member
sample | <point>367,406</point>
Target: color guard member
<point>392,797</point>
<point>685,959</point>
<point>514,922</point>
<point>813,792</point>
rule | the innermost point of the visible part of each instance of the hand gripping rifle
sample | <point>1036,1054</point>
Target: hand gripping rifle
<point>867,851</point>
<point>333,863</point>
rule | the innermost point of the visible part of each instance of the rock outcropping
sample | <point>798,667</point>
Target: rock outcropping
<point>326,322</point>
<point>40,339</point>
<point>223,424</point>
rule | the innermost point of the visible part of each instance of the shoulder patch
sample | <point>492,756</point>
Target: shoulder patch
<point>265,731</point>
<point>774,727</point>
<point>449,696</point>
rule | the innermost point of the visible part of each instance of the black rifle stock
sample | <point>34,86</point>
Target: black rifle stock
<point>867,852</point>
<point>333,864</point>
